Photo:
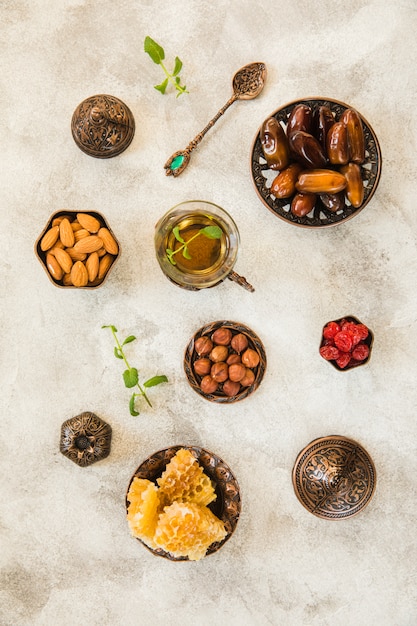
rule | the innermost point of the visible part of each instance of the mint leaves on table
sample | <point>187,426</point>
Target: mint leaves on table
<point>157,54</point>
<point>131,374</point>
<point>211,232</point>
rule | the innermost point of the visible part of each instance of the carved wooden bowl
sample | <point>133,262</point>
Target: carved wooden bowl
<point>42,255</point>
<point>334,477</point>
<point>320,216</point>
<point>227,505</point>
<point>219,396</point>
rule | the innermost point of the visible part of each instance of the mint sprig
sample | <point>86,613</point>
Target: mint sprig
<point>157,54</point>
<point>211,232</point>
<point>131,374</point>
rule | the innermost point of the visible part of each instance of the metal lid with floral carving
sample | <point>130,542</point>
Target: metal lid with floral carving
<point>334,477</point>
<point>102,126</point>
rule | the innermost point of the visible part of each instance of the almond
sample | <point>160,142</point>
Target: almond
<point>58,244</point>
<point>54,267</point>
<point>92,264</point>
<point>66,234</point>
<point>49,238</point>
<point>76,255</point>
<point>75,225</point>
<point>92,243</point>
<point>57,220</point>
<point>63,259</point>
<point>88,222</point>
<point>66,280</point>
<point>109,241</point>
<point>104,265</point>
<point>101,252</point>
<point>79,275</point>
<point>81,234</point>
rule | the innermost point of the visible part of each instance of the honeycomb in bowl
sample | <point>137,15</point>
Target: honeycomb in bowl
<point>184,481</point>
<point>188,529</point>
<point>142,515</point>
<point>173,513</point>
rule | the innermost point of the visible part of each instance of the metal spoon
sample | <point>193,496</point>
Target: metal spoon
<point>248,83</point>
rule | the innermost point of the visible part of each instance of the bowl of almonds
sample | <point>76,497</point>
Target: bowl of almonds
<point>77,249</point>
<point>225,362</point>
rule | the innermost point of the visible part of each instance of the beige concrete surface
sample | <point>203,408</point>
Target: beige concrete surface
<point>66,554</point>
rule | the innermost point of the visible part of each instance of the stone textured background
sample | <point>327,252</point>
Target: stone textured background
<point>66,555</point>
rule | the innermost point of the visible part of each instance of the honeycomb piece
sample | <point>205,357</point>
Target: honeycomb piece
<point>142,513</point>
<point>184,481</point>
<point>187,529</point>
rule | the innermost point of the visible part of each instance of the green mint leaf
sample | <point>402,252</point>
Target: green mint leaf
<point>177,67</point>
<point>212,232</point>
<point>155,380</point>
<point>185,253</point>
<point>131,377</point>
<point>177,80</point>
<point>162,87</point>
<point>132,406</point>
<point>129,340</point>
<point>113,328</point>
<point>117,353</point>
<point>176,232</point>
<point>154,50</point>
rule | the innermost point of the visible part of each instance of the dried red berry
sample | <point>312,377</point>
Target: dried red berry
<point>330,330</point>
<point>361,352</point>
<point>329,353</point>
<point>362,330</point>
<point>343,360</point>
<point>343,341</point>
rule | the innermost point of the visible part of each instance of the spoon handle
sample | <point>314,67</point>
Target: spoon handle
<point>179,160</point>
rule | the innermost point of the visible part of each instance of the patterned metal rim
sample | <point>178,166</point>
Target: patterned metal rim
<point>253,342</point>
<point>226,507</point>
<point>334,477</point>
<point>321,217</point>
<point>42,255</point>
<point>368,341</point>
<point>102,126</point>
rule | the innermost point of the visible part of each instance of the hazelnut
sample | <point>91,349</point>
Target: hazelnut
<point>250,358</point>
<point>219,353</point>
<point>233,358</point>
<point>236,372</point>
<point>203,345</point>
<point>222,336</point>
<point>208,384</point>
<point>239,343</point>
<point>231,388</point>
<point>248,379</point>
<point>202,366</point>
<point>220,372</point>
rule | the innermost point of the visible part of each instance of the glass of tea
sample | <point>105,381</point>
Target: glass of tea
<point>196,244</point>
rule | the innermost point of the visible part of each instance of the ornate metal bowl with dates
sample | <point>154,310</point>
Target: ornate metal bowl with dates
<point>320,216</point>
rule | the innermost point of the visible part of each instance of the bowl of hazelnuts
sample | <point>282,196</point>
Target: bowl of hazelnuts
<point>224,362</point>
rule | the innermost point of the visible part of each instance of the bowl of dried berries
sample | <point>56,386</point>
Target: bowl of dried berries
<point>315,162</point>
<point>77,249</point>
<point>225,362</point>
<point>346,343</point>
<point>183,503</point>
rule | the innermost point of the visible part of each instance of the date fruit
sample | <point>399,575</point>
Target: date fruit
<point>355,135</point>
<point>303,203</point>
<point>306,149</point>
<point>283,185</point>
<point>320,181</point>
<point>354,184</point>
<point>274,144</point>
<point>300,118</point>
<point>337,144</point>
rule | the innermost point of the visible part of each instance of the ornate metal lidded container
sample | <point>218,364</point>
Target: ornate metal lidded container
<point>85,439</point>
<point>334,477</point>
<point>102,126</point>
